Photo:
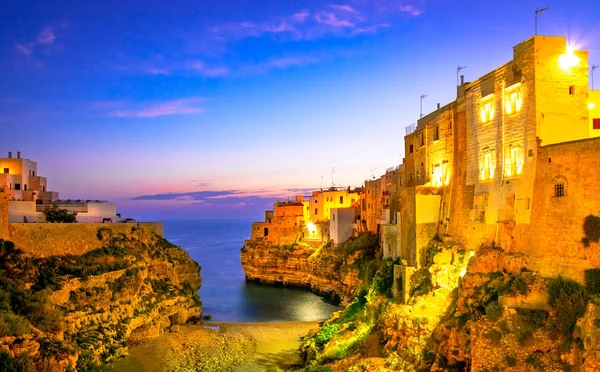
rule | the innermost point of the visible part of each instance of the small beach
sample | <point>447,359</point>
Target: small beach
<point>246,347</point>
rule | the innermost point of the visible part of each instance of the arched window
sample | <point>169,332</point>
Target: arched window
<point>559,187</point>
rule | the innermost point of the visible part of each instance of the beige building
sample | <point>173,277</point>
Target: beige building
<point>321,202</point>
<point>28,195</point>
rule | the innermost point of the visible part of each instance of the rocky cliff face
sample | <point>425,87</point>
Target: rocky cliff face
<point>332,272</point>
<point>487,312</point>
<point>80,311</point>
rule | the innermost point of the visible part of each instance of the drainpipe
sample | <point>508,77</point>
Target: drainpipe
<point>452,176</point>
<point>501,162</point>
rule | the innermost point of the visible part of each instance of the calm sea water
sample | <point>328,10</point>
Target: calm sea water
<point>215,245</point>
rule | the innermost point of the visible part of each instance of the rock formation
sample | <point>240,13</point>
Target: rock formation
<point>80,311</point>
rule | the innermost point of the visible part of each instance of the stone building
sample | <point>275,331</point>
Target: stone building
<point>484,168</point>
<point>27,195</point>
<point>322,201</point>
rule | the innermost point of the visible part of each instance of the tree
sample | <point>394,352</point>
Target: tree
<point>55,214</point>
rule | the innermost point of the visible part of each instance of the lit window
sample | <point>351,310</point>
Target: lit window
<point>487,167</point>
<point>441,175</point>
<point>487,112</point>
<point>514,162</point>
<point>596,123</point>
<point>513,102</point>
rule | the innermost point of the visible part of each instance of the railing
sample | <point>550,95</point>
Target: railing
<point>411,128</point>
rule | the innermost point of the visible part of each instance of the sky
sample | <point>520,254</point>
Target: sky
<point>200,109</point>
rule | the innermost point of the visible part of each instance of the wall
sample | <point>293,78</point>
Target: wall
<point>96,212</point>
<point>21,210</point>
<point>341,224</point>
<point>594,107</point>
<point>4,197</point>
<point>52,239</point>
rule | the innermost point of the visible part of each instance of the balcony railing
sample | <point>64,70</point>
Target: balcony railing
<point>411,128</point>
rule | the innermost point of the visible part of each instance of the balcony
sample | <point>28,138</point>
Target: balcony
<point>411,128</point>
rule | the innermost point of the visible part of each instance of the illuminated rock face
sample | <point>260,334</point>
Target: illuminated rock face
<point>133,287</point>
<point>322,270</point>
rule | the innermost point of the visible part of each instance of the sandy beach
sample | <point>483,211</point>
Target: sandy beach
<point>243,347</point>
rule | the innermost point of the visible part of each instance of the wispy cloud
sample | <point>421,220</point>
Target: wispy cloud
<point>46,37</point>
<point>225,197</point>
<point>410,9</point>
<point>185,106</point>
<point>157,71</point>
<point>205,70</point>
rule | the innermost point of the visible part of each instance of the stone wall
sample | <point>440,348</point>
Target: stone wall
<point>55,239</point>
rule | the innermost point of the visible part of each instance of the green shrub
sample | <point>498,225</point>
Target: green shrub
<point>420,282</point>
<point>533,317</point>
<point>384,279</point>
<point>592,280</point>
<point>524,335</point>
<point>519,285</point>
<point>493,335</point>
<point>493,311</point>
<point>511,360</point>
<point>591,228</point>
<point>55,214</point>
<point>325,334</point>
<point>569,300</point>
<point>10,364</point>
<point>597,323</point>
<point>504,327</point>
<point>533,360</point>
<point>13,325</point>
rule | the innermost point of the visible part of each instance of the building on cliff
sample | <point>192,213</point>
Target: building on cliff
<point>27,195</point>
<point>514,160</point>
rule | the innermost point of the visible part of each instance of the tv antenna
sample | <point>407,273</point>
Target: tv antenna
<point>332,172</point>
<point>421,105</point>
<point>538,11</point>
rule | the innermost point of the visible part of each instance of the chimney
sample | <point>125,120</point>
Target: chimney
<point>462,79</point>
<point>438,106</point>
<point>18,154</point>
<point>10,154</point>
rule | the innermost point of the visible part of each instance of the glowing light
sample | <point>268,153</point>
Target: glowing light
<point>487,167</point>
<point>487,112</point>
<point>311,228</point>
<point>591,105</point>
<point>437,176</point>
<point>464,270</point>
<point>513,102</point>
<point>514,162</point>
<point>568,60</point>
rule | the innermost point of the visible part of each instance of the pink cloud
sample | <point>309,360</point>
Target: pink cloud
<point>208,71</point>
<point>345,8</point>
<point>285,62</point>
<point>300,16</point>
<point>410,9</point>
<point>184,106</point>
<point>282,27</point>
<point>158,71</point>
<point>46,36</point>
<point>332,20</point>
<point>23,49</point>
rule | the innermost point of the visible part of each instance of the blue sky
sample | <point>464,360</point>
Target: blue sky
<point>117,100</point>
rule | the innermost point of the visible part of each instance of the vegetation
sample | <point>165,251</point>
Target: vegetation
<point>591,230</point>
<point>55,214</point>
<point>569,300</point>
<point>384,279</point>
<point>326,333</point>
<point>494,311</point>
<point>592,281</point>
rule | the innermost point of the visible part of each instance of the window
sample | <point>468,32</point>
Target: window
<point>266,231</point>
<point>572,90</point>
<point>487,166</point>
<point>450,124</point>
<point>595,121</point>
<point>25,187</point>
<point>436,133</point>
<point>33,173</point>
<point>44,188</point>
<point>487,112</point>
<point>341,200</point>
<point>513,164</point>
<point>17,186</point>
<point>333,217</point>
<point>410,149</point>
<point>513,102</point>
<point>316,211</point>
<point>6,170</point>
<point>559,189</point>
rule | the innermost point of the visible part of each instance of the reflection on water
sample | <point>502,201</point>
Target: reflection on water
<point>225,294</point>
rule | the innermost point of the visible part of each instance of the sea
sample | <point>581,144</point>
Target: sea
<point>225,294</point>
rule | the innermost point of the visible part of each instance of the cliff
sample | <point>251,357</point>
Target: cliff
<point>77,311</point>
<point>334,272</point>
<point>465,312</point>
